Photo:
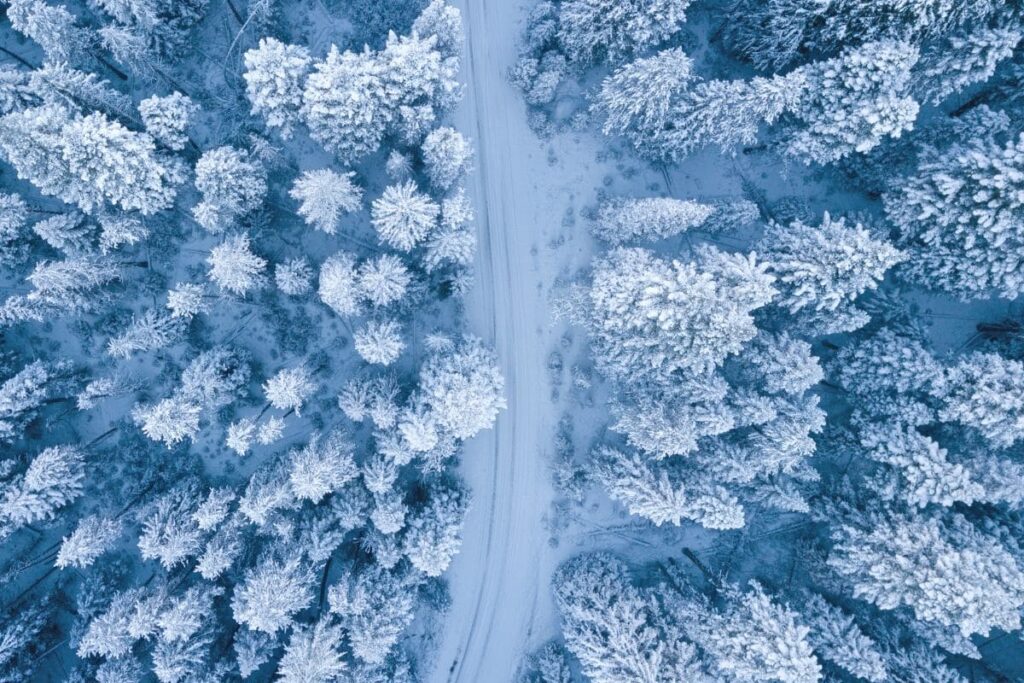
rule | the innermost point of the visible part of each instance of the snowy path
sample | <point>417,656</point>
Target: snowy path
<point>500,580</point>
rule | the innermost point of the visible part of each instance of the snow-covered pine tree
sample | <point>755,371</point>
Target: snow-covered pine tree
<point>179,660</point>
<point>446,157</point>
<point>123,165</point>
<point>838,639</point>
<point>18,309</point>
<point>379,341</point>
<point>624,220</point>
<point>922,663</point>
<point>274,78</point>
<point>550,665</point>
<point>389,513</point>
<point>74,284</point>
<point>171,420</point>
<point>649,317</point>
<point>927,474</point>
<point>215,377</point>
<point>53,480</point>
<point>433,535</point>
<point>339,285</point>
<point>270,431</point>
<point>89,160</point>
<point>324,195</point>
<point>420,84</point>
<point>380,474</point>
<point>443,22</point>
<point>253,649</point>
<point>24,393</point>
<point>383,280</point>
<point>731,215</point>
<point>271,593</point>
<point>93,536</point>
<point>403,216</point>
<point>234,267</point>
<point>773,34</point>
<point>13,236</point>
<point>822,270</point>
<point>130,48</point>
<point>290,388</point>
<point>161,28</point>
<point>53,27</point>
<point>375,605</point>
<point>959,215</point>
<point>241,435</point>
<point>398,166</point>
<point>187,300</point>
<point>345,104</point>
<point>232,183</point>
<point>167,118</point>
<point>15,92</point>
<point>151,331</point>
<point>108,633</point>
<point>887,362</point>
<point>103,387</point>
<point>79,91</point>
<point>725,113</point>
<point>853,102</point>
<point>215,508</point>
<point>753,638</point>
<point>186,614</point>
<point>613,627</point>
<point>598,30</point>
<point>31,142</point>
<point>294,277</point>
<point>944,568</point>
<point>539,79</point>
<point>322,466</point>
<point>660,493</point>
<point>118,230</point>
<point>963,60</point>
<point>169,530</point>
<point>985,391</point>
<point>313,655</point>
<point>419,429</point>
<point>20,636</point>
<point>68,232</point>
<point>638,99</point>
<point>454,242</point>
<point>221,551</point>
<point>463,388</point>
<point>778,364</point>
<point>671,422</point>
<point>121,670</point>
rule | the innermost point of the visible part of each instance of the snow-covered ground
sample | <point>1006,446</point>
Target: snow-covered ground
<point>499,581</point>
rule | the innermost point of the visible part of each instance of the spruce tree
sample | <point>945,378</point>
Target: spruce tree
<point>959,217</point>
<point>271,593</point>
<point>274,79</point>
<point>324,196</point>
<point>598,30</point>
<point>946,570</point>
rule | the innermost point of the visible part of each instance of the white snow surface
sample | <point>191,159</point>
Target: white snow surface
<point>500,581</point>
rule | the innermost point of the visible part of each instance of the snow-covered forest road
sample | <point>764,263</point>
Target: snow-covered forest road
<point>500,579</point>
